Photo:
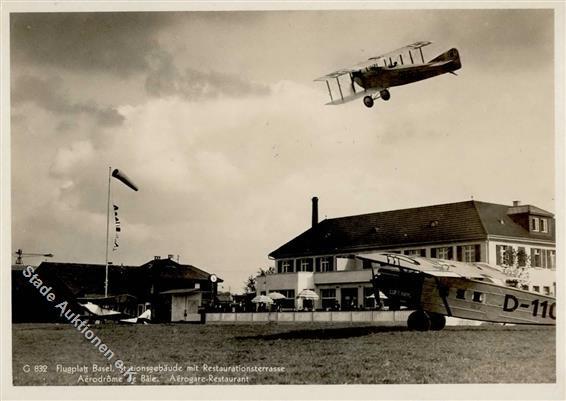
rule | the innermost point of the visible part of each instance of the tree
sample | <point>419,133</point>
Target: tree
<point>266,271</point>
<point>250,283</point>
<point>515,263</point>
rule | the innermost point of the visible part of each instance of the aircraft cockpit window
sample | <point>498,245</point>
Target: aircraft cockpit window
<point>461,293</point>
<point>478,296</point>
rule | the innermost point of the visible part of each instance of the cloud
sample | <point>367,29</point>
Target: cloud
<point>49,95</point>
<point>165,79</point>
<point>67,159</point>
<point>112,42</point>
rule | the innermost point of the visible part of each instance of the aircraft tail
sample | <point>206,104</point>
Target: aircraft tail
<point>452,56</point>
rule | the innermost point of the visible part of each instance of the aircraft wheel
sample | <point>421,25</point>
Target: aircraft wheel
<point>419,320</point>
<point>437,321</point>
<point>385,95</point>
<point>368,101</point>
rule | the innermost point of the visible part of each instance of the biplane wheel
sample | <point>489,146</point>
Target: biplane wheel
<point>368,101</point>
<point>419,320</point>
<point>385,95</point>
<point>437,321</point>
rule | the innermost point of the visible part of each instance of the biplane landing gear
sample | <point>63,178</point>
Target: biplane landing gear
<point>419,320</point>
<point>385,95</point>
<point>368,101</point>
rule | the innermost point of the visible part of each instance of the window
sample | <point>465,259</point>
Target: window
<point>536,288</point>
<point>305,265</point>
<point>415,252</point>
<point>525,287</point>
<point>535,257</point>
<point>328,297</point>
<point>522,256</point>
<point>285,266</point>
<point>546,290</point>
<point>443,253</point>
<point>461,293</point>
<point>469,253</point>
<point>505,255</point>
<point>543,225</point>
<point>535,224</point>
<point>288,301</point>
<point>547,259</point>
<point>324,264</point>
<point>478,296</point>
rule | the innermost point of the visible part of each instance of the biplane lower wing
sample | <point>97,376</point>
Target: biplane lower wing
<point>344,92</point>
<point>348,98</point>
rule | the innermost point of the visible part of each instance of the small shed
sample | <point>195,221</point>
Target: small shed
<point>185,303</point>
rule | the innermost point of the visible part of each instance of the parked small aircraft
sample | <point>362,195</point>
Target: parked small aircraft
<point>436,288</point>
<point>95,312</point>
<point>376,75</point>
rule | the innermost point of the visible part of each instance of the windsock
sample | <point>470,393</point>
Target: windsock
<point>124,178</point>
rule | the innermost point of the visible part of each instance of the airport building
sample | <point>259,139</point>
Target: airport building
<point>519,239</point>
<point>173,291</point>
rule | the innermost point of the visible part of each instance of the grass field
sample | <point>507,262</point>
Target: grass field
<point>309,353</point>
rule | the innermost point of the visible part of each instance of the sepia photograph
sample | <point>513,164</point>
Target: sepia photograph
<point>282,201</point>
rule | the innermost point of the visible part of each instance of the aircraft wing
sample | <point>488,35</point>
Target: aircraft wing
<point>372,61</point>
<point>411,47</point>
<point>336,74</point>
<point>438,267</point>
<point>348,98</point>
<point>100,311</point>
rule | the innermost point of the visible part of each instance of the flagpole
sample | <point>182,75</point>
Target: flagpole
<point>107,232</point>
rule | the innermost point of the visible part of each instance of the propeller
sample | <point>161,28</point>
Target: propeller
<point>376,293</point>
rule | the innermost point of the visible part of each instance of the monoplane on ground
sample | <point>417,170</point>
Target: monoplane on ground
<point>436,288</point>
<point>100,309</point>
<point>374,77</point>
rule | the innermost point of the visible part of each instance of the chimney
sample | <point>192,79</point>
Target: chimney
<point>156,257</point>
<point>516,203</point>
<point>170,256</point>
<point>314,211</point>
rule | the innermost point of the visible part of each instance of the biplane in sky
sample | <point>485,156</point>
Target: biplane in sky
<point>436,288</point>
<point>372,79</point>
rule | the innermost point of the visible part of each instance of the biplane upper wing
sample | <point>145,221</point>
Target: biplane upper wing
<point>409,48</point>
<point>438,267</point>
<point>373,61</point>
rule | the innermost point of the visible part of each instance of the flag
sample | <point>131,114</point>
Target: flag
<point>120,176</point>
<point>117,226</point>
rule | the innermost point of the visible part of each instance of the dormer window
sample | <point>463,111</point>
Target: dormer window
<point>543,225</point>
<point>535,224</point>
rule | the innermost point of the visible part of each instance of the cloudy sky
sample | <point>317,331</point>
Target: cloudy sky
<point>215,116</point>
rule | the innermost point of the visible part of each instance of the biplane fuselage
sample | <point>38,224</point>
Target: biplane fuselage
<point>435,288</point>
<point>383,77</point>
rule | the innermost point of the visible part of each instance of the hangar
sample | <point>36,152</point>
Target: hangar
<point>173,291</point>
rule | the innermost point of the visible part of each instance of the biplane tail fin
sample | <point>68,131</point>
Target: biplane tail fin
<point>452,56</point>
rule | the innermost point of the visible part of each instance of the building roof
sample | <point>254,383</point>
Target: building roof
<point>87,280</point>
<point>452,222</point>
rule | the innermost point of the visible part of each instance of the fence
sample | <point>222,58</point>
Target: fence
<point>399,317</point>
<point>385,318</point>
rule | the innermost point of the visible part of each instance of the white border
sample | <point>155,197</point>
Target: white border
<point>272,392</point>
